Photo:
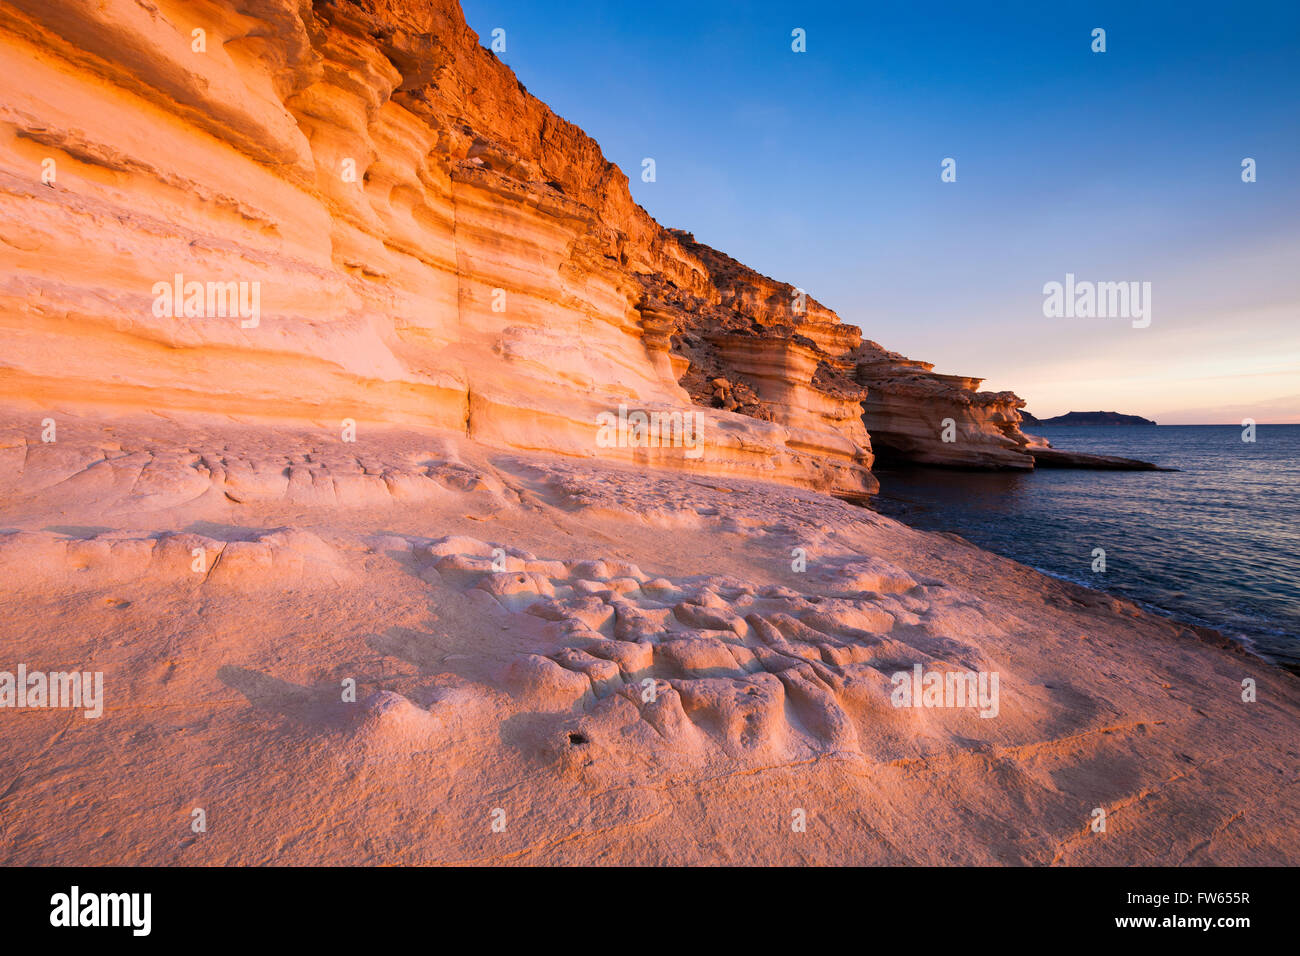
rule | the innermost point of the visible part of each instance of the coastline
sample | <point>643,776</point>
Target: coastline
<point>1161,534</point>
<point>898,511</point>
<point>381,482</point>
<point>1197,628</point>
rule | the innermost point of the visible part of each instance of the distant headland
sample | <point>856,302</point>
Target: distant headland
<point>1086,418</point>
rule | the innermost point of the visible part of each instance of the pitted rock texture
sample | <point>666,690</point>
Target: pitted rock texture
<point>360,578</point>
<point>715,663</point>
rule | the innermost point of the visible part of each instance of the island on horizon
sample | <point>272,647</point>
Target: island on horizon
<point>1086,418</point>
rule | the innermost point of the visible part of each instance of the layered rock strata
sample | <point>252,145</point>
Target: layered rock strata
<point>916,414</point>
<point>346,210</point>
<point>352,210</point>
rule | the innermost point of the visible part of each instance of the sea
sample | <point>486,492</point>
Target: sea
<point>1215,543</point>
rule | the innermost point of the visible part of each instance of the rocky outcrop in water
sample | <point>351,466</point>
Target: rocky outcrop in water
<point>918,415</point>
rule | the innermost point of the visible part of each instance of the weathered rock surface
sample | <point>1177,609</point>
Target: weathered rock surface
<point>429,243</point>
<point>918,415</point>
<point>626,664</point>
<point>623,665</point>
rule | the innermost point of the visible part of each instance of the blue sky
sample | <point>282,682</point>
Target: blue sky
<point>823,169</point>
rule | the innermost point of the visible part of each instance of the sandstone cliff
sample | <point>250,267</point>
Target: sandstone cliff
<point>422,241</point>
<point>916,414</point>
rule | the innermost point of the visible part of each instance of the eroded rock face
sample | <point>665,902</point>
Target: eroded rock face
<point>781,355</point>
<point>415,238</point>
<point>352,210</point>
<point>915,414</point>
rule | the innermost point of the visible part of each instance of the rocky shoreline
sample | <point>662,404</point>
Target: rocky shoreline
<point>420,499</point>
<point>391,644</point>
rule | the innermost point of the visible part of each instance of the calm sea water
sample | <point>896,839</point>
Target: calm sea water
<point>1216,543</point>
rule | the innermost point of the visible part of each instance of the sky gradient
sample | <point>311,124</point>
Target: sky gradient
<point>823,169</point>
